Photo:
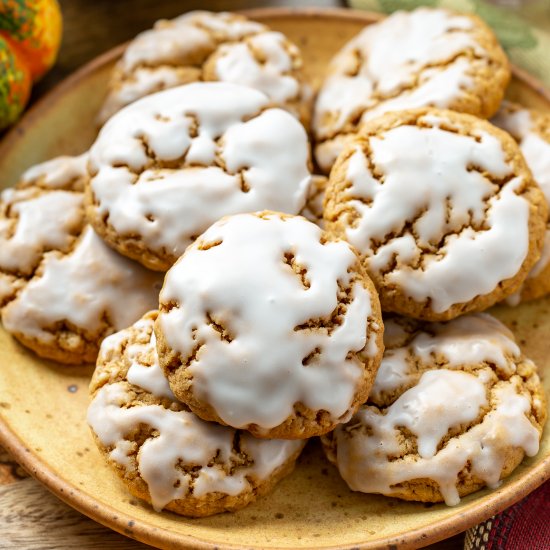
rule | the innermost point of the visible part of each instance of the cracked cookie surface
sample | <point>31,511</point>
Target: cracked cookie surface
<point>455,407</point>
<point>531,129</point>
<point>267,325</point>
<point>168,166</point>
<point>61,288</point>
<point>164,453</point>
<point>202,46</point>
<point>444,60</point>
<point>442,208</point>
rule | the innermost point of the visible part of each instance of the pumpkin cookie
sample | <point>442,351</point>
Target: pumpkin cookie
<point>267,325</point>
<point>210,46</point>
<point>44,212</point>
<point>166,167</point>
<point>444,60</point>
<point>165,454</point>
<point>442,208</point>
<point>62,289</point>
<point>455,407</point>
<point>531,129</point>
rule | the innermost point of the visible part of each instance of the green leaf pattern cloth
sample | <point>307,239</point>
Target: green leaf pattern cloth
<point>523,32</point>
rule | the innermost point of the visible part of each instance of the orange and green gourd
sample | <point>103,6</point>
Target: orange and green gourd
<point>30,36</point>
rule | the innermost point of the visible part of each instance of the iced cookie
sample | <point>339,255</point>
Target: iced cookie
<point>442,208</point>
<point>313,210</point>
<point>63,290</point>
<point>267,325</point>
<point>455,407</point>
<point>168,166</point>
<point>444,60</point>
<point>165,454</point>
<point>44,212</point>
<point>210,46</point>
<point>531,129</point>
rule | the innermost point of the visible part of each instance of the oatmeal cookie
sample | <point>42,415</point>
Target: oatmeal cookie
<point>166,167</point>
<point>62,290</point>
<point>205,46</point>
<point>531,129</point>
<point>442,208</point>
<point>267,325</point>
<point>443,60</point>
<point>455,407</point>
<point>163,452</point>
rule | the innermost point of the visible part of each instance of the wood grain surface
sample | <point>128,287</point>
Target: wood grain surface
<point>31,518</point>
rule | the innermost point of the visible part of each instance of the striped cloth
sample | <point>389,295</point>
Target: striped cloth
<point>524,526</point>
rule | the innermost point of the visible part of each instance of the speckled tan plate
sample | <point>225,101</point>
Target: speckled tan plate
<point>43,405</point>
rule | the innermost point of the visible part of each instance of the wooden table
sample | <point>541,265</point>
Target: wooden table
<point>31,518</point>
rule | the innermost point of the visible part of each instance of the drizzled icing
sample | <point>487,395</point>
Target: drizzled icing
<point>85,288</point>
<point>433,397</point>
<point>535,148</point>
<point>184,49</point>
<point>239,275</point>
<point>264,62</point>
<point>441,400</point>
<point>45,211</point>
<point>34,221</point>
<point>370,76</point>
<point>63,172</point>
<point>520,124</point>
<point>222,165</point>
<point>369,71</point>
<point>468,233</point>
<point>181,438</point>
<point>476,339</point>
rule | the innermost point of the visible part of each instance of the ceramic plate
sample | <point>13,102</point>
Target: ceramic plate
<point>43,405</point>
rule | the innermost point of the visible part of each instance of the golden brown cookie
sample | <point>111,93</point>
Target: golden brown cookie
<point>267,325</point>
<point>455,407</point>
<point>165,454</point>
<point>531,129</point>
<point>442,208</point>
<point>443,59</point>
<point>62,290</point>
<point>168,166</point>
<point>202,45</point>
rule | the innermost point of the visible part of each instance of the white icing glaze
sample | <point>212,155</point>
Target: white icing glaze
<point>181,436</point>
<point>245,285</point>
<point>35,221</point>
<point>168,43</point>
<point>144,81</point>
<point>476,339</point>
<point>58,173</point>
<point>441,400</point>
<point>81,289</point>
<point>147,376</point>
<point>427,173</point>
<point>536,151</point>
<point>269,73</point>
<point>166,207</point>
<point>174,52</point>
<point>225,25</point>
<point>370,73</point>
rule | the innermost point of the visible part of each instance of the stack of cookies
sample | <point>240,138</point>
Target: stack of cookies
<point>227,328</point>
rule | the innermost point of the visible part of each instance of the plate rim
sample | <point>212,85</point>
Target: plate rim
<point>148,533</point>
